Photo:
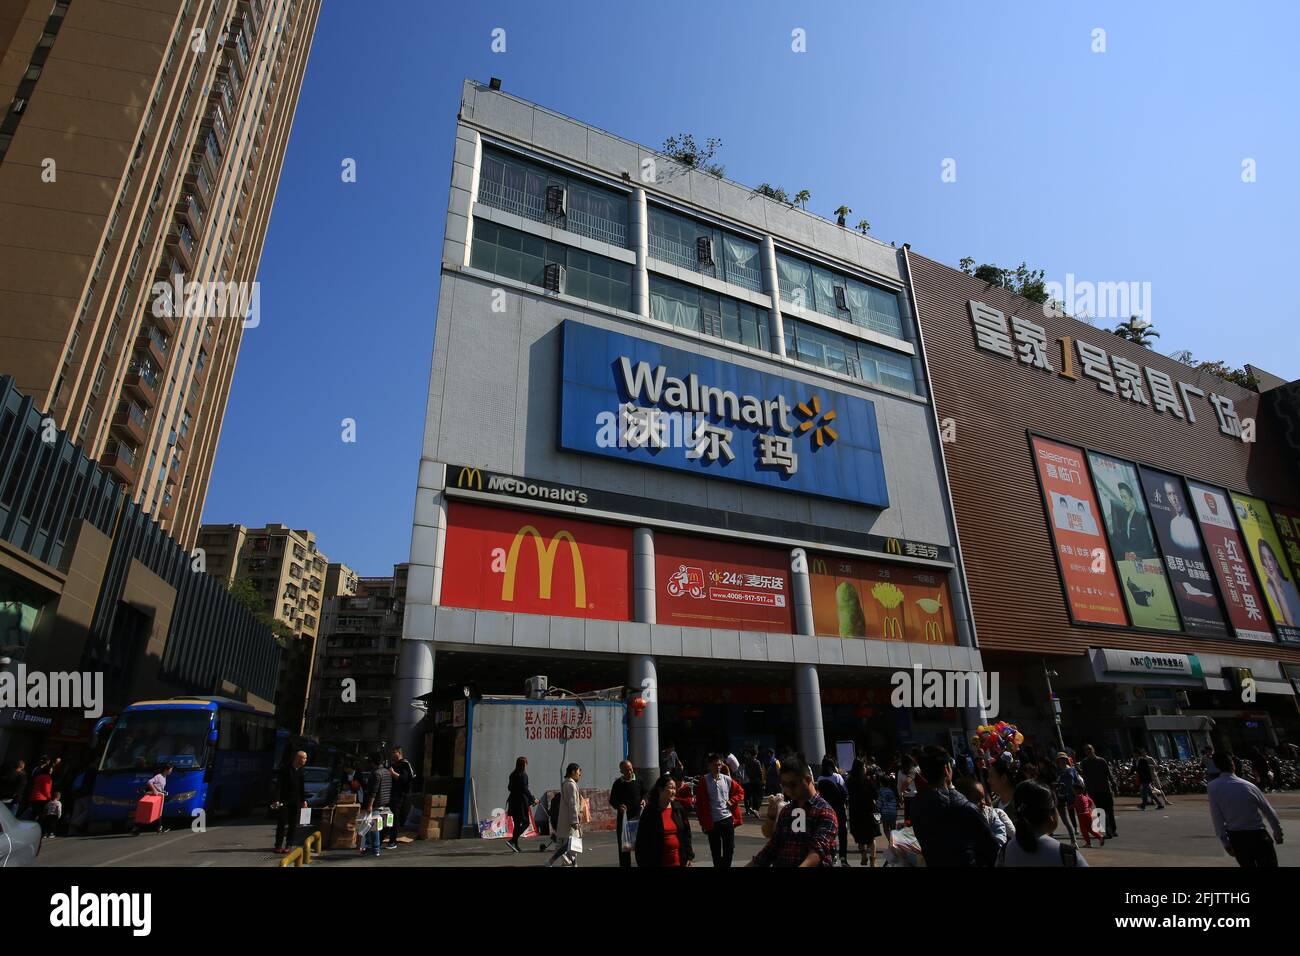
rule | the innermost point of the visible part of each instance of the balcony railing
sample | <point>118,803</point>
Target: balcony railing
<point>143,368</point>
<point>158,339</point>
<point>686,256</point>
<point>533,206</point>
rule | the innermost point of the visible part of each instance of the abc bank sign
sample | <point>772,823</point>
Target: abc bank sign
<point>651,404</point>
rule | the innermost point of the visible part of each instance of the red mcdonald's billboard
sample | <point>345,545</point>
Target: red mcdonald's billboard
<point>715,584</point>
<point>504,560</point>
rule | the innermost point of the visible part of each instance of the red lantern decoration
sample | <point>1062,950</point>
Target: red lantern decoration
<point>638,706</point>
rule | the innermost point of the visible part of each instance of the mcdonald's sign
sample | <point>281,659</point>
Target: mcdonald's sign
<point>469,478</point>
<point>883,602</point>
<point>892,546</point>
<point>508,560</point>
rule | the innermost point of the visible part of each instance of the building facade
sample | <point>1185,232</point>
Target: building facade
<point>89,583</point>
<point>1129,524</point>
<point>359,642</point>
<point>679,440</point>
<point>139,156</point>
<point>293,579</point>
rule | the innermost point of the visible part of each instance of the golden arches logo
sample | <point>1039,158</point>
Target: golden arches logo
<point>545,565</point>
<point>470,478</point>
<point>819,566</point>
<point>893,547</point>
<point>934,632</point>
<point>893,629</point>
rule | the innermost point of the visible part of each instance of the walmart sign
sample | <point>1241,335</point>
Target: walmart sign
<point>650,404</point>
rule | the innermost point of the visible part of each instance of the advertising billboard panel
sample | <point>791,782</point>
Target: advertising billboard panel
<point>504,560</point>
<point>1142,578</point>
<point>853,598</point>
<point>1228,555</point>
<point>1287,521</point>
<point>1186,562</point>
<point>1276,578</point>
<point>649,404</point>
<point>1081,550</point>
<point>718,584</point>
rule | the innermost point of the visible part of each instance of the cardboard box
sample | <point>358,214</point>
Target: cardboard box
<point>339,827</point>
<point>434,807</point>
<point>346,799</point>
<point>431,830</point>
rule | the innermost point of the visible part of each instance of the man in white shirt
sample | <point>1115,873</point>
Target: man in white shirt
<point>1239,810</point>
<point>717,796</point>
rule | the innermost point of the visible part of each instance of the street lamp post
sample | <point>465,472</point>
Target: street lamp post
<point>1048,673</point>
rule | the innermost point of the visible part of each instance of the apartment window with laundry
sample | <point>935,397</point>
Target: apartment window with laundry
<point>524,257</point>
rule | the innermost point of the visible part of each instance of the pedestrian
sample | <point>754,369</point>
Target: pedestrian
<point>771,773</point>
<point>995,818</point>
<point>627,797</point>
<point>1068,785</point>
<point>379,791</point>
<point>1003,777</point>
<point>717,804</point>
<point>156,786</point>
<point>670,763</point>
<point>753,781</point>
<point>1208,763</point>
<point>663,833</point>
<point>1239,809</point>
<point>831,785</point>
<point>51,814</point>
<point>907,788</point>
<point>1100,779</point>
<point>519,803</point>
<point>814,841</point>
<point>1148,781</point>
<point>568,826</point>
<point>292,799</point>
<point>887,800</point>
<point>950,829</point>
<point>39,788</point>
<point>13,788</point>
<point>1033,811</point>
<point>863,789</point>
<point>403,778</point>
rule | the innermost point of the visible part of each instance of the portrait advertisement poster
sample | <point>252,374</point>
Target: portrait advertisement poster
<point>854,598</point>
<point>1142,578</point>
<point>1275,575</point>
<point>1186,562</point>
<point>1076,530</point>
<point>713,584</point>
<point>1287,521</point>
<point>1228,556</point>
<point>499,559</point>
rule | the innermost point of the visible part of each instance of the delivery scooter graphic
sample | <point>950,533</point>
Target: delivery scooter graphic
<point>686,580</point>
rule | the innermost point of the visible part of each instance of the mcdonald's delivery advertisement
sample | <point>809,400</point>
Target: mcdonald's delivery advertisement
<point>649,404</point>
<point>503,560</point>
<point>718,584</point>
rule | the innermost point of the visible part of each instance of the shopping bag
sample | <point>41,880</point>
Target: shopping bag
<point>627,837</point>
<point>304,817</point>
<point>586,809</point>
<point>388,819</point>
<point>363,825</point>
<point>575,843</point>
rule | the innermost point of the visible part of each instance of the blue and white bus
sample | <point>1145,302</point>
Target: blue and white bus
<point>221,751</point>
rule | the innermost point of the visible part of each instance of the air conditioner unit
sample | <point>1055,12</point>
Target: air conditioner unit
<point>704,250</point>
<point>535,688</point>
<point>556,201</point>
<point>841,302</point>
<point>553,278</point>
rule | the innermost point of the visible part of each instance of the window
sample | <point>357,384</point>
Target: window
<point>524,257</point>
<point>838,296</point>
<point>518,186</point>
<point>700,310</point>
<point>677,240</point>
<point>848,356</point>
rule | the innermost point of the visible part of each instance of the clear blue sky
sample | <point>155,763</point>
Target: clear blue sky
<point>1115,166</point>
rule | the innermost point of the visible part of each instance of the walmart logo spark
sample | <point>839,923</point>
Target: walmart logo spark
<point>815,421</point>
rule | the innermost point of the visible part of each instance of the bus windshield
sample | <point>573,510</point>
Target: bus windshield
<point>144,739</point>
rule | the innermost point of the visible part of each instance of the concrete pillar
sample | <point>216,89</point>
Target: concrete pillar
<point>807,686</point>
<point>642,675</point>
<point>639,236</point>
<point>772,286</point>
<point>643,731</point>
<point>414,679</point>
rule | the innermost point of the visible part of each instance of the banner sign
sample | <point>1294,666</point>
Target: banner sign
<point>1133,546</point>
<point>715,584</point>
<point>1228,555</point>
<point>1186,563</point>
<point>1287,521</point>
<point>880,601</point>
<point>649,404</point>
<point>1275,575</point>
<point>1076,531</point>
<point>503,560</point>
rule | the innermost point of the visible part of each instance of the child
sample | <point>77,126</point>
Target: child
<point>50,818</point>
<point>1083,807</point>
<point>887,804</point>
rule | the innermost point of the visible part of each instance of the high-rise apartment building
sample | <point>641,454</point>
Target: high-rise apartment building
<point>139,151</point>
<point>294,580</point>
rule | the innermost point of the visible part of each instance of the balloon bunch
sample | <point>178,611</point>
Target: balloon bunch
<point>996,738</point>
